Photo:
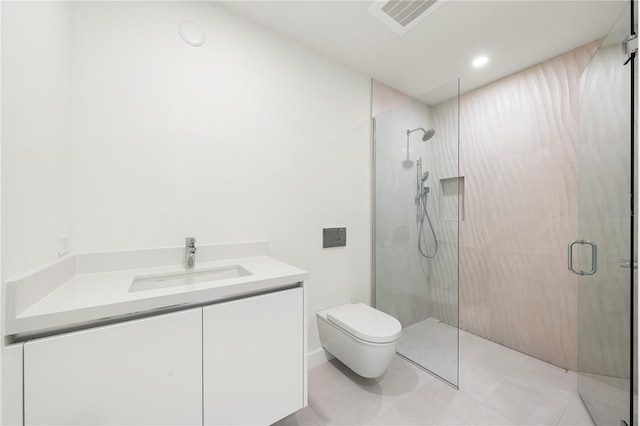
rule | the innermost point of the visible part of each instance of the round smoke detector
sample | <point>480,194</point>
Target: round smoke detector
<point>191,33</point>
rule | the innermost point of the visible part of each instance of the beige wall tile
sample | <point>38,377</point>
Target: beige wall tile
<point>519,159</point>
<point>385,98</point>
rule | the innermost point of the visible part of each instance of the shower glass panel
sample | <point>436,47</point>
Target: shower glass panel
<point>417,197</point>
<point>604,292</point>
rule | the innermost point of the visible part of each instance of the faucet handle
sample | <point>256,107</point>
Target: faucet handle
<point>190,241</point>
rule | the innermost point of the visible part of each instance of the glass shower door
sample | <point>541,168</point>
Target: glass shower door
<point>603,255</point>
<point>416,190</point>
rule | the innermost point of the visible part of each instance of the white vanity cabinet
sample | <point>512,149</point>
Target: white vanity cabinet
<point>146,371</point>
<point>253,359</point>
<point>236,362</point>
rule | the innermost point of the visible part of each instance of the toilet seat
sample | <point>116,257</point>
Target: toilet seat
<point>366,323</point>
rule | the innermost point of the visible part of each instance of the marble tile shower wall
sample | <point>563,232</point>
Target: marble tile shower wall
<point>518,157</point>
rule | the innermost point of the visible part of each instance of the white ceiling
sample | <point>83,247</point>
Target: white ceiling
<point>513,34</point>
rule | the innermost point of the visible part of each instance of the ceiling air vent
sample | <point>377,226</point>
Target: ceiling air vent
<point>402,15</point>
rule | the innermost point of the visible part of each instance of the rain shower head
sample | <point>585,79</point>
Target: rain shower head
<point>426,134</point>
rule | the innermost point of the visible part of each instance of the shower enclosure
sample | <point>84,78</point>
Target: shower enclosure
<point>417,203</point>
<point>605,255</point>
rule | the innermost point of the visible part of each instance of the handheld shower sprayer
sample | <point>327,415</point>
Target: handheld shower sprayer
<point>422,193</point>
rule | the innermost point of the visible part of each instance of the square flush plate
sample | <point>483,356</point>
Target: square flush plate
<point>334,237</point>
<point>402,15</point>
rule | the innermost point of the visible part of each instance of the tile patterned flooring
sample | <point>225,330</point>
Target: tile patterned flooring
<point>498,386</point>
<point>432,343</point>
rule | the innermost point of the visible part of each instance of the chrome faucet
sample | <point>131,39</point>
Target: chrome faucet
<point>189,252</point>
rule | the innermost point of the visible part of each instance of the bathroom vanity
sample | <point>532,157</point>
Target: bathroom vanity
<point>224,343</point>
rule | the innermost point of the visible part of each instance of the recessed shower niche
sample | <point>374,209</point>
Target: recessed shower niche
<point>452,198</point>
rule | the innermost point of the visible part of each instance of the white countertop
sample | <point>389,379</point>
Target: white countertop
<point>95,297</point>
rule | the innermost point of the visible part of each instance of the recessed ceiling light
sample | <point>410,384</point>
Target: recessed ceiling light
<point>480,61</point>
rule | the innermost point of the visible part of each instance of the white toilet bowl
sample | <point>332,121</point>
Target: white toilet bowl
<point>360,336</point>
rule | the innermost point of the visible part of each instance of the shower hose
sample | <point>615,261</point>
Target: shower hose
<point>423,205</point>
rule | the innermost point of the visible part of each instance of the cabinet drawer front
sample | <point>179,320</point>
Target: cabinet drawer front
<point>253,359</point>
<point>146,371</point>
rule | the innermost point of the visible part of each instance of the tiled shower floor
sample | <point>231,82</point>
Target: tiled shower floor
<point>498,386</point>
<point>433,344</point>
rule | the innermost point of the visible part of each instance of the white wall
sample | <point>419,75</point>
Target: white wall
<point>249,137</point>
<point>36,144</point>
<point>36,133</point>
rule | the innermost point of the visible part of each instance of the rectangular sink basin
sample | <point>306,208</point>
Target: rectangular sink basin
<point>174,279</point>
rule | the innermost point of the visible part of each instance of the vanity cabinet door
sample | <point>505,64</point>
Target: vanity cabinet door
<point>253,359</point>
<point>147,371</point>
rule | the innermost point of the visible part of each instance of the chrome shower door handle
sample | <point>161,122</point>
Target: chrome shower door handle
<point>570,256</point>
<point>594,257</point>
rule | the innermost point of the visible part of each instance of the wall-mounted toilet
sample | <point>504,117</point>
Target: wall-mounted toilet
<point>360,336</point>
